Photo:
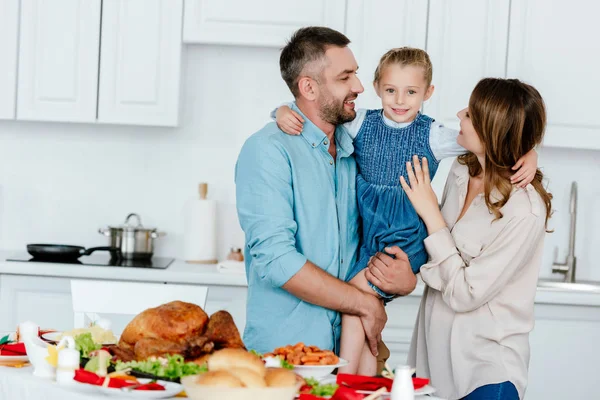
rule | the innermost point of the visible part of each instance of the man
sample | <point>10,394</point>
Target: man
<point>296,201</point>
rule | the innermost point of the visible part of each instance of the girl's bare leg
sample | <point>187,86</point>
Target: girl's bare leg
<point>353,344</point>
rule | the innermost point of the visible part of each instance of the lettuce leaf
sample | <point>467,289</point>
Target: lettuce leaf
<point>170,366</point>
<point>85,344</point>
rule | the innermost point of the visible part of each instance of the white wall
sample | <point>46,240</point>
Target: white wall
<point>59,183</point>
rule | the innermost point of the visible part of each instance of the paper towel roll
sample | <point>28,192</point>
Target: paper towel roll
<point>200,230</point>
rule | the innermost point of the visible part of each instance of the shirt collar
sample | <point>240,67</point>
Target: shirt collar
<point>462,180</point>
<point>315,136</point>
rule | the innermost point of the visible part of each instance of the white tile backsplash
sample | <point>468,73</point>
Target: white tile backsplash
<point>60,182</point>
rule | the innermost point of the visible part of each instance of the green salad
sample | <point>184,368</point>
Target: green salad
<point>170,366</point>
<point>85,344</point>
<point>284,363</point>
<point>321,389</point>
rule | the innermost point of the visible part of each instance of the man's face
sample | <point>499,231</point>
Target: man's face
<point>338,86</point>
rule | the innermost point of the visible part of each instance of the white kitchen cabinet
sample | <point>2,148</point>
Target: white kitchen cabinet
<point>43,300</point>
<point>257,22</point>
<point>564,352</point>
<point>58,60</point>
<point>464,47</point>
<point>231,299</point>
<point>9,31</point>
<point>140,62</point>
<point>371,37</point>
<point>554,46</point>
<point>397,335</point>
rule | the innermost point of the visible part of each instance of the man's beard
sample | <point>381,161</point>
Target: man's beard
<point>332,110</point>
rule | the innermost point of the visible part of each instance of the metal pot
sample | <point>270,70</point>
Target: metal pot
<point>135,241</point>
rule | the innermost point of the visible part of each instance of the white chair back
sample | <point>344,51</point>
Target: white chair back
<point>93,297</point>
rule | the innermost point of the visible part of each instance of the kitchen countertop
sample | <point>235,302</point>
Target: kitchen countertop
<point>207,274</point>
<point>177,272</point>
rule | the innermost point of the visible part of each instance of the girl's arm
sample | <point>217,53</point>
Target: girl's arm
<point>291,122</point>
<point>444,145</point>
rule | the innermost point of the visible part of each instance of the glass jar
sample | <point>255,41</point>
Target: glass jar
<point>235,254</point>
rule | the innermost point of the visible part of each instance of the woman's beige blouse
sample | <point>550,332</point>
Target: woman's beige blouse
<point>477,309</point>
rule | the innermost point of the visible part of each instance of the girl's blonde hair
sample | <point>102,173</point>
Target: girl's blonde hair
<point>404,56</point>
<point>509,117</point>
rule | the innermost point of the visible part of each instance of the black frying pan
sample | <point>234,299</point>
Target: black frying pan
<point>59,252</point>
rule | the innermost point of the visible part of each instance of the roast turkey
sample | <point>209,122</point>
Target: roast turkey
<point>177,328</point>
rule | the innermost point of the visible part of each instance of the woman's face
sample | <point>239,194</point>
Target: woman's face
<point>467,137</point>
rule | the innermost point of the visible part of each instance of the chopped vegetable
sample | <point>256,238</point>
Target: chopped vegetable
<point>6,340</point>
<point>319,389</point>
<point>94,364</point>
<point>85,344</point>
<point>170,366</point>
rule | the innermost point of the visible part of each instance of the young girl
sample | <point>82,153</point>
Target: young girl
<point>384,140</point>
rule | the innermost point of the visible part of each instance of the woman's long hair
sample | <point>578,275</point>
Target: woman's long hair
<point>509,117</point>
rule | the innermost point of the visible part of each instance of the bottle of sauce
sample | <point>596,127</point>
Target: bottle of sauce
<point>402,387</point>
<point>235,254</point>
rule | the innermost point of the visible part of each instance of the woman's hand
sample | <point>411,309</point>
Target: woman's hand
<point>289,121</point>
<point>526,167</point>
<point>421,195</point>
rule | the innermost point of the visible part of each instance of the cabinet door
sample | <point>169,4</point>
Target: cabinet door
<point>554,46</point>
<point>231,299</point>
<point>564,352</point>
<point>9,29</point>
<point>141,62</point>
<point>371,37</point>
<point>58,60</point>
<point>464,47</point>
<point>257,22</point>
<point>397,335</point>
<point>43,300</point>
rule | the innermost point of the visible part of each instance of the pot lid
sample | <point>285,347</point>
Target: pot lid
<point>129,226</point>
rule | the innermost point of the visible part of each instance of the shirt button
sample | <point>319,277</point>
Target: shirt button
<point>330,162</point>
<point>313,145</point>
<point>342,261</point>
<point>325,142</point>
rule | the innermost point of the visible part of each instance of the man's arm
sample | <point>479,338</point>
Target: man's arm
<point>265,209</point>
<point>315,286</point>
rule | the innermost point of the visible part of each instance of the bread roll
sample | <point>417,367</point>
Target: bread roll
<point>219,379</point>
<point>226,359</point>
<point>280,377</point>
<point>248,377</point>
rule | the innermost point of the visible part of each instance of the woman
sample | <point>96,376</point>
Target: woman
<point>485,247</point>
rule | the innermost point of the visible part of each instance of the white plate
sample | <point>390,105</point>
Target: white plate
<point>55,337</point>
<point>425,390</point>
<point>318,371</point>
<point>171,389</point>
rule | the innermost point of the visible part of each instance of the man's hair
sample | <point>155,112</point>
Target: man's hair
<point>306,45</point>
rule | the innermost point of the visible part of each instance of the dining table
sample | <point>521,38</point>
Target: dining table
<point>21,384</point>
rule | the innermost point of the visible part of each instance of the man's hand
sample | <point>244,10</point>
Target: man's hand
<point>393,276</point>
<point>373,318</point>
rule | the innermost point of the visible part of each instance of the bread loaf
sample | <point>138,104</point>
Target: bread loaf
<point>227,359</point>
<point>249,378</point>
<point>280,377</point>
<point>219,379</point>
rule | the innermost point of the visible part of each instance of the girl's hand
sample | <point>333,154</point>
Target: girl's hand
<point>421,194</point>
<point>289,121</point>
<point>527,167</point>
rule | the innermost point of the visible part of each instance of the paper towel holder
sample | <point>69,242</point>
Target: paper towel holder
<point>203,190</point>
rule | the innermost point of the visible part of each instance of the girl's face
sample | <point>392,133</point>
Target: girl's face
<point>402,90</point>
<point>467,137</point>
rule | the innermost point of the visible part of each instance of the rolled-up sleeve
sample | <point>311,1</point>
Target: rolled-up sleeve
<point>467,287</point>
<point>265,206</point>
